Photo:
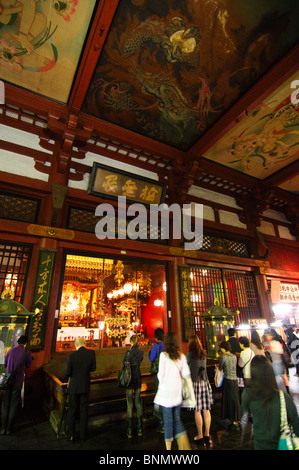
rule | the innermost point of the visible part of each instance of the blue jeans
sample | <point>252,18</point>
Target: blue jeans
<point>173,426</point>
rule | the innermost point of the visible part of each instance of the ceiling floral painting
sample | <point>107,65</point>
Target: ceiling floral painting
<point>169,69</point>
<point>41,42</point>
<point>266,140</point>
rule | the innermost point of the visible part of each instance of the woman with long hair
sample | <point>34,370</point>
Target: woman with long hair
<point>261,400</point>
<point>196,358</point>
<point>230,389</point>
<point>256,344</point>
<point>172,368</point>
<point>135,357</point>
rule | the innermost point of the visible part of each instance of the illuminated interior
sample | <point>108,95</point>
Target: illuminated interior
<point>106,301</point>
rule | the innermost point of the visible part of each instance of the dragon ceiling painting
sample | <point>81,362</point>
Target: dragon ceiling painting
<point>169,69</point>
<point>41,43</point>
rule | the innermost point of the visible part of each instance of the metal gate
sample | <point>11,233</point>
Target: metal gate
<point>235,290</point>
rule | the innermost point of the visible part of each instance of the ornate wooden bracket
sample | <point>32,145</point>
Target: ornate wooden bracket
<point>292,214</point>
<point>184,178</point>
<point>254,204</point>
<point>67,134</point>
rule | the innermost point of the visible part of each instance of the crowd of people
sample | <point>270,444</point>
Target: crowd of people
<point>251,369</point>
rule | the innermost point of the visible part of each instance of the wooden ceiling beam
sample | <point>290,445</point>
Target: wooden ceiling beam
<point>29,101</point>
<point>26,151</point>
<point>95,42</point>
<point>136,162</point>
<point>127,137</point>
<point>226,173</point>
<point>282,175</point>
<point>286,196</point>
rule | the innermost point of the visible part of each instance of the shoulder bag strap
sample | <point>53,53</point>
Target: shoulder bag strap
<point>248,360</point>
<point>180,370</point>
<point>284,427</point>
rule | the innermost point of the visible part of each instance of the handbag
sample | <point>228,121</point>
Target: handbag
<point>287,440</point>
<point>155,364</point>
<point>8,379</point>
<point>125,375</point>
<point>188,395</point>
<point>218,379</point>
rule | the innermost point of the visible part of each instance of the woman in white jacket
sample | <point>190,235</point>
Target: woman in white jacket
<point>172,368</point>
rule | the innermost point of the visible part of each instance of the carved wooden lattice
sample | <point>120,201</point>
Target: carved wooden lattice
<point>19,208</point>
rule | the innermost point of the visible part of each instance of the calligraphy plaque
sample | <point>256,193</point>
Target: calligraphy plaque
<point>41,299</point>
<point>187,317</point>
<point>111,183</point>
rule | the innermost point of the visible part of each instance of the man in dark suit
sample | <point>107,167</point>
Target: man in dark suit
<point>79,365</point>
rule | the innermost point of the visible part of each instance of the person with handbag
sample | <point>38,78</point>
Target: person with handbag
<point>261,398</point>
<point>173,368</point>
<point>230,390</point>
<point>134,356</point>
<point>245,358</point>
<point>154,355</point>
<point>17,358</point>
<point>197,362</point>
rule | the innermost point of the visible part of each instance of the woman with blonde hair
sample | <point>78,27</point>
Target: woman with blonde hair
<point>197,362</point>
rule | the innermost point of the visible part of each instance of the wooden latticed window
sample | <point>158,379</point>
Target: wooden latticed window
<point>14,265</point>
<point>235,290</point>
<point>19,208</point>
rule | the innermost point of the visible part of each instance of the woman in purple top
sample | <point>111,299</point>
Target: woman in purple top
<point>11,397</point>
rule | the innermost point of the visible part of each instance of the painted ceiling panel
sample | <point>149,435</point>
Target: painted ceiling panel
<point>41,43</point>
<point>291,185</point>
<point>266,140</point>
<point>170,69</point>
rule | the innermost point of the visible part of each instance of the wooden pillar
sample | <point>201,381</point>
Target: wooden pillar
<point>175,301</point>
<point>262,290</point>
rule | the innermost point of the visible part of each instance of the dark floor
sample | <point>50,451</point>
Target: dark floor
<point>34,432</point>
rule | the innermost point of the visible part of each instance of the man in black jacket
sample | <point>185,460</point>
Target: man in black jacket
<point>79,365</point>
